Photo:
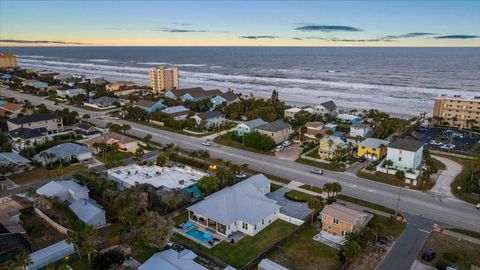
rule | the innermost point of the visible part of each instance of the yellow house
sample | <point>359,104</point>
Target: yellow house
<point>339,220</point>
<point>329,145</point>
<point>371,148</point>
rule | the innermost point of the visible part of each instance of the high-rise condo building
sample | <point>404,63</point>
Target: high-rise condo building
<point>456,111</point>
<point>7,60</point>
<point>163,79</point>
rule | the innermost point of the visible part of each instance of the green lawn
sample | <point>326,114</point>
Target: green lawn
<point>312,188</point>
<point>245,250</point>
<point>40,174</point>
<point>112,159</point>
<point>466,232</point>
<point>366,204</point>
<point>298,196</point>
<point>394,228</point>
<point>302,252</point>
<point>392,180</point>
<point>321,165</point>
<point>226,139</point>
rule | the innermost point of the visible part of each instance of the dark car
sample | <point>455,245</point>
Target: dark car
<point>375,163</point>
<point>428,255</point>
<point>362,159</point>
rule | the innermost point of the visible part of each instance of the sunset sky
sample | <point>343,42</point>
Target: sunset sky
<point>239,23</point>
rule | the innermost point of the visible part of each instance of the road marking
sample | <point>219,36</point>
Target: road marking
<point>354,186</point>
<point>422,230</point>
<point>371,190</point>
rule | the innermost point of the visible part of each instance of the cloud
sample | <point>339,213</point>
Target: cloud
<point>409,35</point>
<point>23,41</point>
<point>388,38</point>
<point>327,28</point>
<point>259,37</point>
<point>178,30</point>
<point>456,37</point>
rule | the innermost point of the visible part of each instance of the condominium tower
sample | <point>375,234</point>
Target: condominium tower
<point>163,79</point>
<point>456,111</point>
<point>7,60</point>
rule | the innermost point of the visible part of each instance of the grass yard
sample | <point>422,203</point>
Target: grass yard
<point>460,254</point>
<point>226,139</point>
<point>439,164</point>
<point>298,196</point>
<point>392,180</point>
<point>321,165</point>
<point>303,253</point>
<point>40,174</point>
<point>394,228</point>
<point>247,249</point>
<point>366,204</point>
<point>312,188</point>
<point>466,232</point>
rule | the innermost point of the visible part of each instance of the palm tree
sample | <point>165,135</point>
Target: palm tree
<point>388,163</point>
<point>314,204</point>
<point>139,154</point>
<point>114,147</point>
<point>126,127</point>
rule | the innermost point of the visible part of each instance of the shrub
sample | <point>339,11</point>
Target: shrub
<point>296,196</point>
<point>258,141</point>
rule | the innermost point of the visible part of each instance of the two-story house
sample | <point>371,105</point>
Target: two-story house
<point>52,123</point>
<point>149,106</point>
<point>405,154</point>
<point>338,220</point>
<point>278,130</point>
<point>210,119</point>
<point>328,107</point>
<point>372,149</point>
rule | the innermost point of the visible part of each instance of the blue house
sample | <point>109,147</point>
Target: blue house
<point>36,84</point>
<point>149,106</point>
<point>6,77</point>
<point>249,126</point>
<point>348,119</point>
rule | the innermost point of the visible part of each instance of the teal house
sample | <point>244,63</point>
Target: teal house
<point>249,126</point>
<point>150,106</point>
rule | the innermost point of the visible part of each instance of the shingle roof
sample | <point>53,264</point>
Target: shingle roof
<point>111,136</point>
<point>230,95</point>
<point>84,126</point>
<point>27,133</point>
<point>11,107</point>
<point>406,144</point>
<point>197,92</point>
<point>105,101</point>
<point>243,201</point>
<point>342,213</point>
<point>255,123</point>
<point>9,158</point>
<point>209,115</point>
<point>145,103</point>
<point>329,105</point>
<point>361,125</point>
<point>33,118</point>
<point>275,126</point>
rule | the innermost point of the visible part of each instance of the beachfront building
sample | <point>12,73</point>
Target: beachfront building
<point>249,126</point>
<point>97,80</point>
<point>177,112</point>
<point>329,146</point>
<point>171,259</point>
<point>242,207</point>
<point>149,106</point>
<point>65,152</point>
<point>163,79</point>
<point>328,107</point>
<point>210,119</point>
<point>290,113</point>
<point>69,93</point>
<point>125,144</point>
<point>76,197</point>
<point>372,149</point>
<point>338,220</point>
<point>192,94</point>
<point>52,123</point>
<point>278,130</point>
<point>35,84</point>
<point>8,60</point>
<point>406,154</point>
<point>225,98</point>
<point>162,178</point>
<point>118,85</point>
<point>348,119</point>
<point>360,130</point>
<point>457,111</point>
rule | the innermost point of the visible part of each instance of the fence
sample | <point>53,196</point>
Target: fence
<point>290,219</point>
<point>50,221</point>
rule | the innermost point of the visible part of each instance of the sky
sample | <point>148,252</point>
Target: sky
<point>239,23</point>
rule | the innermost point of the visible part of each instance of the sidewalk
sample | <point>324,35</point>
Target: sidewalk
<point>296,186</point>
<point>462,236</point>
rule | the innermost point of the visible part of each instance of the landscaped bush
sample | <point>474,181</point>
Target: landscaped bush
<point>296,196</point>
<point>258,141</point>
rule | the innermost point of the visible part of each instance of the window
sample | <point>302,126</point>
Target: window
<point>335,220</point>
<point>255,227</point>
<point>245,226</point>
<point>399,158</point>
<point>343,233</point>
<point>263,222</point>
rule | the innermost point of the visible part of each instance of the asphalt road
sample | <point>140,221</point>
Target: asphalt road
<point>445,211</point>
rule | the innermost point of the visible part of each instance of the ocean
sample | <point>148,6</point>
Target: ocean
<point>395,80</point>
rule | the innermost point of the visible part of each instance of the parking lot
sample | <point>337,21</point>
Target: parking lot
<point>464,141</point>
<point>291,152</point>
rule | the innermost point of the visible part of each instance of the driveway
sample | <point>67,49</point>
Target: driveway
<point>291,152</point>
<point>290,208</point>
<point>442,186</point>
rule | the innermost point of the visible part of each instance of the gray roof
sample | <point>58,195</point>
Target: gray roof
<point>64,150</point>
<point>172,260</point>
<point>373,143</point>
<point>28,133</point>
<point>329,105</point>
<point>361,125</point>
<point>243,201</point>
<point>266,264</point>
<point>210,115</point>
<point>406,144</point>
<point>105,101</point>
<point>9,158</point>
<point>33,118</point>
<point>275,126</point>
<point>175,109</point>
<point>255,123</point>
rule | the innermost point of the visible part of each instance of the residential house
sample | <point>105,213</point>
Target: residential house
<point>360,130</point>
<point>13,162</point>
<point>338,220</point>
<point>52,123</point>
<point>50,254</point>
<point>85,129</point>
<point>76,197</point>
<point>36,84</point>
<point>242,207</point>
<point>177,112</point>
<point>149,106</point>
<point>10,243</point>
<point>210,119</point>
<point>69,93</point>
<point>290,113</point>
<point>6,77</point>
<point>65,152</point>
<point>278,130</point>
<point>10,109</point>
<point>313,128</point>
<point>97,80</point>
<point>249,126</point>
<point>405,154</point>
<point>103,103</point>
<point>27,137</point>
<point>192,94</point>
<point>348,119</point>
<point>62,77</point>
<point>118,85</point>
<point>329,146</point>
<point>372,149</point>
<point>125,144</point>
<point>225,98</point>
<point>267,264</point>
<point>171,259</point>
<point>328,107</point>
<point>47,74</point>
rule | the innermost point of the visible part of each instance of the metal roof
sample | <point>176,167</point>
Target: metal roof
<point>8,158</point>
<point>172,260</point>
<point>64,150</point>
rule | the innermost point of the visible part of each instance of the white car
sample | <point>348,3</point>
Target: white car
<point>448,146</point>
<point>207,143</point>
<point>279,148</point>
<point>434,142</point>
<point>286,143</point>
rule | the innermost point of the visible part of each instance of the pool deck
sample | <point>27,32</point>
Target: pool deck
<point>183,232</point>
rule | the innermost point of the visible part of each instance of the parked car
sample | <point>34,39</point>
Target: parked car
<point>478,206</point>
<point>374,163</point>
<point>361,159</point>
<point>434,142</point>
<point>428,255</point>
<point>279,148</point>
<point>286,143</point>
<point>317,171</point>
<point>207,143</point>
<point>448,146</point>
<point>241,175</point>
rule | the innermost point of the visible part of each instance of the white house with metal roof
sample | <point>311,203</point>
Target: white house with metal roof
<point>242,207</point>
<point>171,259</point>
<point>249,126</point>
<point>66,152</point>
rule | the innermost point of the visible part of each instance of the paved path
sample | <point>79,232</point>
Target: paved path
<point>462,236</point>
<point>442,186</point>
<point>450,211</point>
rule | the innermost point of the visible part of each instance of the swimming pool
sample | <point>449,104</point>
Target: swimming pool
<point>199,235</point>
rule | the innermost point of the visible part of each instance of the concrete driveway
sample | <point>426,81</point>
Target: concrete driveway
<point>291,152</point>
<point>442,186</point>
